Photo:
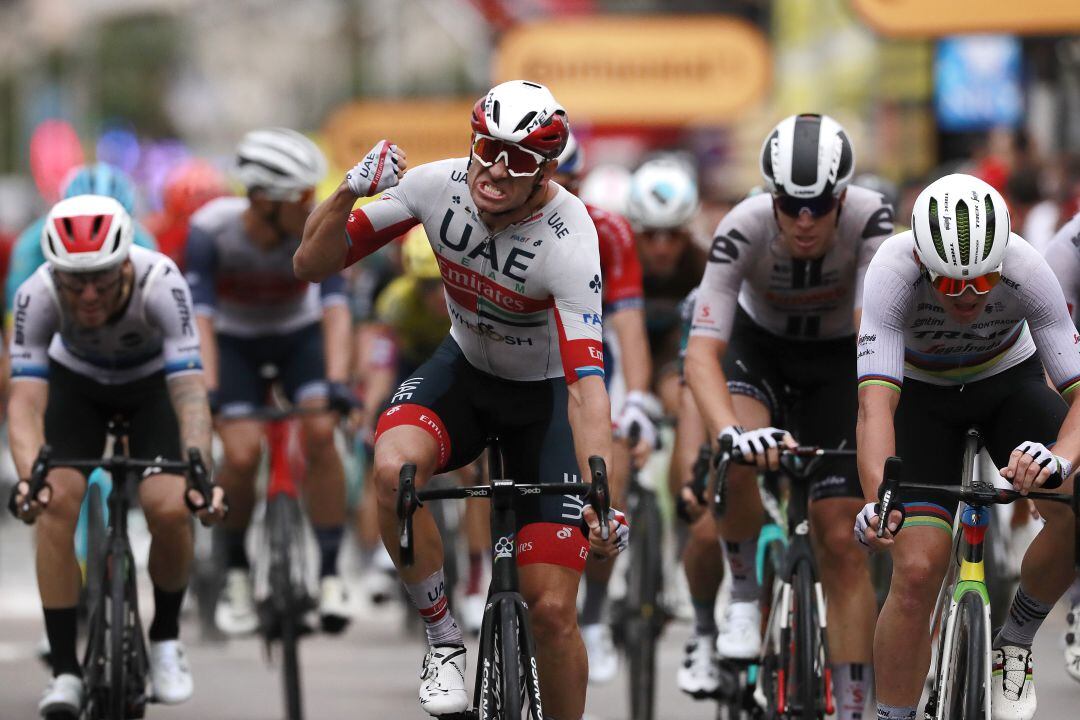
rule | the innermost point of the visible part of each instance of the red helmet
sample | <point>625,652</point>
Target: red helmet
<point>191,185</point>
<point>523,113</point>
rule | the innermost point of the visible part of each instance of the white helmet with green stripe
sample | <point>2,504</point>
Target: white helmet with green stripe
<point>961,227</point>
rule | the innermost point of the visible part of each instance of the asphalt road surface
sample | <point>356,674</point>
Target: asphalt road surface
<point>370,672</point>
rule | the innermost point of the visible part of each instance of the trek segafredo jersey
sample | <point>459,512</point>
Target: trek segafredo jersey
<point>797,299</point>
<point>1062,254</point>
<point>906,332</point>
<point>156,330</point>
<point>524,302</point>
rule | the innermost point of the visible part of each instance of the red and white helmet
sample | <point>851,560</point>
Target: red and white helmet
<point>87,233</point>
<point>524,113</point>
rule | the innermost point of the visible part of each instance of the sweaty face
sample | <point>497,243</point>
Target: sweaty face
<point>965,308</point>
<point>660,250</point>
<point>494,190</point>
<point>93,297</point>
<point>807,237</point>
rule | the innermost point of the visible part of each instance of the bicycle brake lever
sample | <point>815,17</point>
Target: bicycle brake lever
<point>601,497</point>
<point>406,506</point>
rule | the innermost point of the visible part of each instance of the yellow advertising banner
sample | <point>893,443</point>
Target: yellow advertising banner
<point>933,18</point>
<point>427,130</point>
<point>633,70</point>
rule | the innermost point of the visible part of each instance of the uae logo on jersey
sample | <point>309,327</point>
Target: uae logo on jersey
<point>595,284</point>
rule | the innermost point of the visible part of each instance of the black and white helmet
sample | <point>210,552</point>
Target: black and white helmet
<point>280,162</point>
<point>807,156</point>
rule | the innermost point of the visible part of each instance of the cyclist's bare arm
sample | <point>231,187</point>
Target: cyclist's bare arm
<point>208,348</point>
<point>589,412</point>
<point>708,384</point>
<point>188,395</point>
<point>26,422</point>
<point>324,246</point>
<point>629,326</point>
<point>337,331</point>
<point>875,435</point>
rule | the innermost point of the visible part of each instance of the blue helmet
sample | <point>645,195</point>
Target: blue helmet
<point>102,179</point>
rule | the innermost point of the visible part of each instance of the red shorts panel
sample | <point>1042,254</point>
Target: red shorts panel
<point>552,543</point>
<point>417,416</point>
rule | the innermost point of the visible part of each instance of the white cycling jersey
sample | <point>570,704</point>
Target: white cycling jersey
<point>525,302</point>
<point>156,330</point>
<point>1063,255</point>
<point>796,299</point>
<point>906,333</point>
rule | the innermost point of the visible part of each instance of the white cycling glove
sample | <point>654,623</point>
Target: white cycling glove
<point>640,409</point>
<point>622,528</point>
<point>862,523</point>
<point>751,443</point>
<point>378,171</point>
<point>1044,458</point>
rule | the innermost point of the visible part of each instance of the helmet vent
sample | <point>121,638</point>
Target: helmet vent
<point>68,229</point>
<point>97,225</point>
<point>525,121</point>
<point>991,225</point>
<point>532,84</point>
<point>935,230</point>
<point>495,108</point>
<point>963,231</point>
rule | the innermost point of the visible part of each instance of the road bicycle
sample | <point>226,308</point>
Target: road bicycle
<point>116,664</point>
<point>507,685</point>
<point>792,680</point>
<point>961,668</point>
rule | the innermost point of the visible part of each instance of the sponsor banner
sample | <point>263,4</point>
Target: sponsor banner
<point>933,18</point>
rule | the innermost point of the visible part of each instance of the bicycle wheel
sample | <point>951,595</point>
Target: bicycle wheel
<point>643,611</point>
<point>280,516</point>
<point>118,632</point>
<point>806,685</point>
<point>95,657</point>
<point>767,683</point>
<point>962,679</point>
<point>510,671</point>
<point>528,664</point>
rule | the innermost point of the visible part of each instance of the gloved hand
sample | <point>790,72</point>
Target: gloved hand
<point>1032,465</point>
<point>380,170</point>
<point>754,445</point>
<point>618,537</point>
<point>868,526</point>
<point>341,398</point>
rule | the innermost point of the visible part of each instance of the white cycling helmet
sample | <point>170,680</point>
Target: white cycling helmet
<point>280,162</point>
<point>961,227</point>
<point>807,156</point>
<point>606,187</point>
<point>87,233</point>
<point>663,195</point>
<point>524,113</point>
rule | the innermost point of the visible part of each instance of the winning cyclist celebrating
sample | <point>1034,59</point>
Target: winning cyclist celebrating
<point>959,313</point>
<point>776,313</point>
<point>521,272</point>
<point>106,328</point>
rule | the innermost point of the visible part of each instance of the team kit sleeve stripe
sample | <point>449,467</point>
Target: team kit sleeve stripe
<point>362,237</point>
<point>882,380</point>
<point>581,357</point>
<point>32,372</point>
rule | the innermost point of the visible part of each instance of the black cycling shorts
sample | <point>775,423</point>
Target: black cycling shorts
<point>242,382</point>
<point>79,410</point>
<point>461,407</point>
<point>1009,408</point>
<point>811,390</point>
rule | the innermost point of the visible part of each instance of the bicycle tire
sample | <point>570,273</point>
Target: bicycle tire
<point>533,700</point>
<point>643,605</point>
<point>280,517</point>
<point>95,546</point>
<point>808,679</point>
<point>118,654</point>
<point>511,677</point>
<point>962,689</point>
<point>95,657</point>
<point>772,573</point>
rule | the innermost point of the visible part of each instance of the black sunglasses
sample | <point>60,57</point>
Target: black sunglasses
<point>793,206</point>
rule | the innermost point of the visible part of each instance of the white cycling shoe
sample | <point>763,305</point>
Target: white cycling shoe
<point>1072,644</point>
<point>442,681</point>
<point>335,612</point>
<point>472,613</point>
<point>699,675</point>
<point>235,612</point>
<point>1013,685</point>
<point>740,636</point>
<point>170,674</point>
<point>603,660</point>
<point>63,696</point>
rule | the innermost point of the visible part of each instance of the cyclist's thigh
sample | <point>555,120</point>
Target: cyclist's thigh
<point>1029,411</point>
<point>154,430</point>
<point>439,399</point>
<point>538,447</point>
<point>302,367</point>
<point>753,378</point>
<point>930,440</point>
<point>75,420</point>
<point>240,388</point>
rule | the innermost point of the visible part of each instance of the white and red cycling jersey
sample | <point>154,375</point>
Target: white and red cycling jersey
<point>524,302</point>
<point>618,260</point>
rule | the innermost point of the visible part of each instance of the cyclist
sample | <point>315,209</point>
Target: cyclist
<point>106,328</point>
<point>662,204</point>
<point>187,187</point>
<point>1063,256</point>
<point>958,312</point>
<point>521,272</point>
<point>628,373</point>
<point>772,345</point>
<point>253,312</point>
<point>96,179</point>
